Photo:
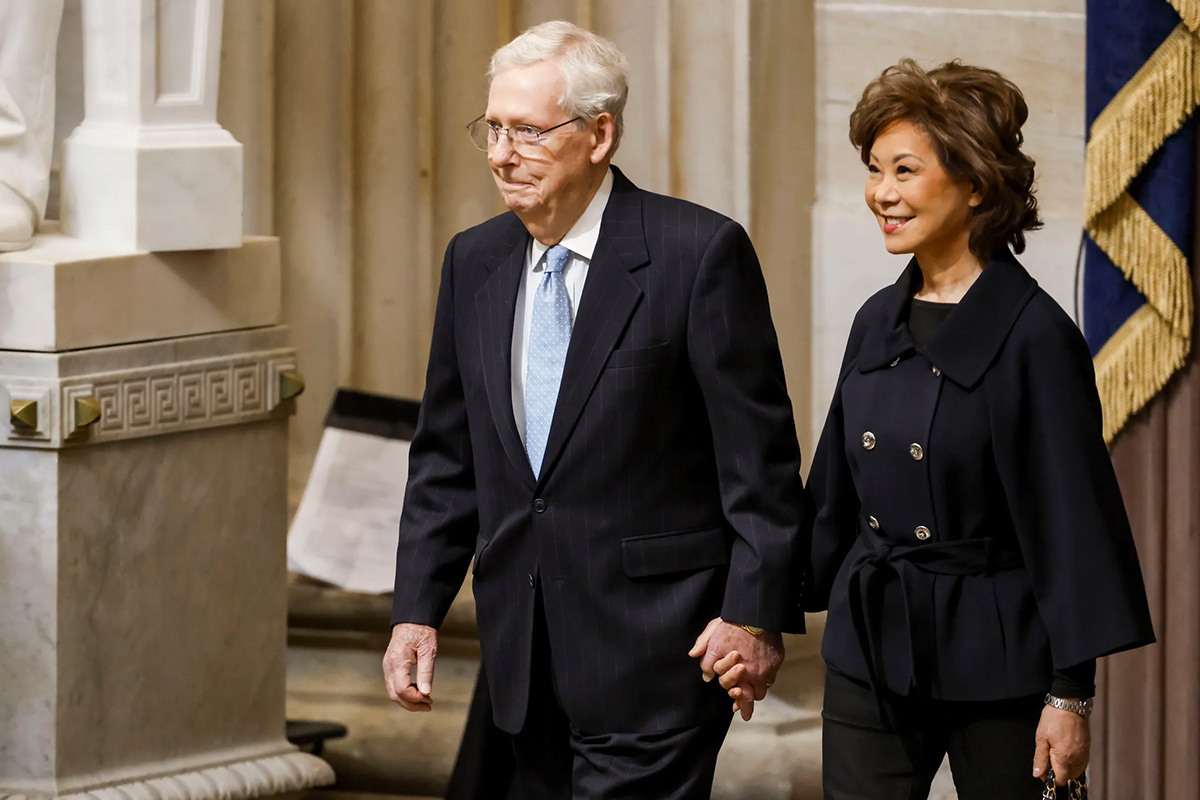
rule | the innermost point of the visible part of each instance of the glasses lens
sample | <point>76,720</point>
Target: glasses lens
<point>524,136</point>
<point>480,132</point>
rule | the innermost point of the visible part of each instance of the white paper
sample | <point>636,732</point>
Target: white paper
<point>347,526</point>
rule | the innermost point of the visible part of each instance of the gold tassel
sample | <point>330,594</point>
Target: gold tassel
<point>1149,259</point>
<point>1149,347</point>
<point>1189,10</point>
<point>1152,106</point>
<point>1134,365</point>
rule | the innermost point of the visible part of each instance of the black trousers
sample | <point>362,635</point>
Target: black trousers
<point>556,761</point>
<point>990,745</point>
<point>484,768</point>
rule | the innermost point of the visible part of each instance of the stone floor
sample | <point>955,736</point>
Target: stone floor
<point>334,673</point>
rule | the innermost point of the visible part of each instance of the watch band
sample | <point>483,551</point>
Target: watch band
<point>753,630</point>
<point>1081,707</point>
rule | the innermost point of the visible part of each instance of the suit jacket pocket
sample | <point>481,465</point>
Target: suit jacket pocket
<point>638,357</point>
<point>675,551</point>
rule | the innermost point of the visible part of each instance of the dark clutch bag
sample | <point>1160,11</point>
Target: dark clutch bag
<point>1076,789</point>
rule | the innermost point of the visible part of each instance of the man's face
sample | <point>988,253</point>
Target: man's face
<point>536,182</point>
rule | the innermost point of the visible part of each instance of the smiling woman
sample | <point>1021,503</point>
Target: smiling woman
<point>970,543</point>
<point>963,125</point>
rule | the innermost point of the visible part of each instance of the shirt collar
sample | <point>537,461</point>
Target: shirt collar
<point>968,341</point>
<point>581,239</point>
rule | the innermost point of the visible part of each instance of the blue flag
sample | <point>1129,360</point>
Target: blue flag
<point>1142,85</point>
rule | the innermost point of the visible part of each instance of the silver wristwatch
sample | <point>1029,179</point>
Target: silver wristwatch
<point>1081,707</point>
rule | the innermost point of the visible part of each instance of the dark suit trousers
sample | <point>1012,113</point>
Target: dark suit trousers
<point>555,761</point>
<point>484,768</point>
<point>990,745</point>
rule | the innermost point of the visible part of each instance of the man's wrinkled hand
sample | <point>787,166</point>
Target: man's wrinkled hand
<point>1064,742</point>
<point>723,646</point>
<point>411,645</point>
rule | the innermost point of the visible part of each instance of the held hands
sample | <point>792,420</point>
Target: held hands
<point>746,664</point>
<point>1064,742</point>
<point>411,644</point>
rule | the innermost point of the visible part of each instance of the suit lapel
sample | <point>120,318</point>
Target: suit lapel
<point>495,304</point>
<point>609,298</point>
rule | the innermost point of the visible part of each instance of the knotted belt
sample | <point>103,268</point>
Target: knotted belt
<point>914,567</point>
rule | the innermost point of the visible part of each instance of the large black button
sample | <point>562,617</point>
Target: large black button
<point>539,505</point>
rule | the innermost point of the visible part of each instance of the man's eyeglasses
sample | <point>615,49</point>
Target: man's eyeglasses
<point>522,138</point>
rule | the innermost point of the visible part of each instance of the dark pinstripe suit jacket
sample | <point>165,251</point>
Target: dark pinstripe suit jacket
<point>670,489</point>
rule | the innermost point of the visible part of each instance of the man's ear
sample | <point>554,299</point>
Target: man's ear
<point>604,132</point>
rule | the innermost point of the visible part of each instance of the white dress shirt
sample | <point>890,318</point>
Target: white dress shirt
<point>581,241</point>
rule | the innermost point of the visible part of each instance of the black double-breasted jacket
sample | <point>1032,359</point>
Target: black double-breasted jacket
<point>969,534</point>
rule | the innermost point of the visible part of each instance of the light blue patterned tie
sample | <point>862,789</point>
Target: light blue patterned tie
<point>549,335</point>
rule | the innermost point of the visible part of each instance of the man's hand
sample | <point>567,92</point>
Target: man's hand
<point>757,658</point>
<point>411,644</point>
<point>1064,742</point>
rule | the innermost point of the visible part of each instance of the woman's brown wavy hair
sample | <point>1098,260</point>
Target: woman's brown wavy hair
<point>973,117</point>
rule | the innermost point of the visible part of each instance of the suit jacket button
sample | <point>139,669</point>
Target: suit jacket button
<point>895,361</point>
<point>532,582</point>
<point>916,451</point>
<point>539,505</point>
<point>874,523</point>
<point>937,373</point>
<point>922,532</point>
<point>868,440</point>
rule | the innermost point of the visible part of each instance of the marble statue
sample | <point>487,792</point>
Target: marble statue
<point>28,41</point>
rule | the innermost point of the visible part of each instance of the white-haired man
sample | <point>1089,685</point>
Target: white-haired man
<point>606,430</point>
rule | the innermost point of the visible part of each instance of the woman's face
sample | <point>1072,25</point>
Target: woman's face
<point>920,209</point>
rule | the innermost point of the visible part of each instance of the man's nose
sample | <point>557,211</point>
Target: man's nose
<point>502,151</point>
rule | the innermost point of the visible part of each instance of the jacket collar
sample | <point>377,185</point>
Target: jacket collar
<point>968,341</point>
<point>603,313</point>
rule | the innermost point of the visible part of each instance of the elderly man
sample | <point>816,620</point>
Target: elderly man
<point>606,430</point>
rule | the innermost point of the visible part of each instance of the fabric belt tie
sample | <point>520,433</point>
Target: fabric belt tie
<point>914,567</point>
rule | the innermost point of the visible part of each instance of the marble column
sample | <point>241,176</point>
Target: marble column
<point>149,168</point>
<point>143,515</point>
<point>147,385</point>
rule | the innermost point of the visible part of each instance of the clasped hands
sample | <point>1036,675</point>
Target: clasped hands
<point>744,664</point>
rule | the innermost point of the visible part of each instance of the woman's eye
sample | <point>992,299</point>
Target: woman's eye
<point>903,170</point>
<point>871,168</point>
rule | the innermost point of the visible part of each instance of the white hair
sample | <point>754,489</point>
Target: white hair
<point>594,71</point>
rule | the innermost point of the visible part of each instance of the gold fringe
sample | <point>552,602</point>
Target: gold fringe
<point>1152,106</point>
<point>1134,365</point>
<point>1154,342</point>
<point>1149,259</point>
<point>1189,10</point>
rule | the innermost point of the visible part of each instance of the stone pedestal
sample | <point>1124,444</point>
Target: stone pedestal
<point>143,517</point>
<point>149,168</point>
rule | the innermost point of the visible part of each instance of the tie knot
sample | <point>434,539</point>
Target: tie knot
<point>556,258</point>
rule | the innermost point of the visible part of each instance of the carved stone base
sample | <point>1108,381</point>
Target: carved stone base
<point>102,394</point>
<point>143,574</point>
<point>69,294</point>
<point>236,780</point>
